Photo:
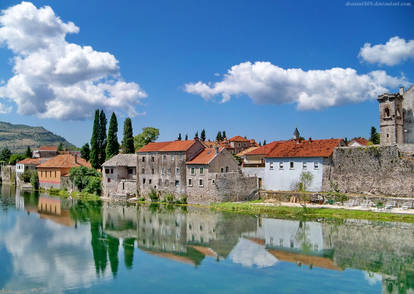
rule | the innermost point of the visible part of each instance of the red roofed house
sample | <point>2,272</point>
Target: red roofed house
<point>161,165</point>
<point>50,172</point>
<point>358,142</point>
<point>286,161</point>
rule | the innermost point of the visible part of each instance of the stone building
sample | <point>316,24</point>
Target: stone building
<point>119,175</point>
<point>45,152</point>
<point>161,165</point>
<point>397,117</point>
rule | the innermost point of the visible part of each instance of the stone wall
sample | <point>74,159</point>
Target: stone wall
<point>374,169</point>
<point>8,174</point>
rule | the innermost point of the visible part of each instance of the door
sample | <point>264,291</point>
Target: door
<point>260,183</point>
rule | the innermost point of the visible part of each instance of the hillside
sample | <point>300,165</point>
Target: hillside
<point>18,137</point>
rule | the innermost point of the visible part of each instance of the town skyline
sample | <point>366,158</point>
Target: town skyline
<point>250,69</point>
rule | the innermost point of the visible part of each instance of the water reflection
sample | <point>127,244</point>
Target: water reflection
<point>75,245</point>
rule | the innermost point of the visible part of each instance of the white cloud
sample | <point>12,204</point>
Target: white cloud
<point>250,254</point>
<point>266,83</point>
<point>395,51</point>
<point>4,108</point>
<point>57,79</point>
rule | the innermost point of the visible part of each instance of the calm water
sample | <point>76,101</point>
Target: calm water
<point>53,246</point>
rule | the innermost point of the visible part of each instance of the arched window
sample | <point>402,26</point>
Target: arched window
<point>386,112</point>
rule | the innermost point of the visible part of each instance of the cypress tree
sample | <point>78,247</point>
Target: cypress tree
<point>223,136</point>
<point>219,137</point>
<point>179,137</point>
<point>85,152</point>
<point>186,137</point>
<point>196,135</point>
<point>112,145</point>
<point>203,135</point>
<point>264,142</point>
<point>28,152</point>
<point>128,141</point>
<point>95,152</point>
<point>102,137</point>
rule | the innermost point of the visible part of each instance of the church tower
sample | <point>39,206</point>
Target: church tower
<point>391,119</point>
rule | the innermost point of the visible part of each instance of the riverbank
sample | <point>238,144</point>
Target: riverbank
<point>311,211</point>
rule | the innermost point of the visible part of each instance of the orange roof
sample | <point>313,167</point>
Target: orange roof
<point>265,149</point>
<point>250,149</point>
<point>30,161</point>
<point>239,139</point>
<point>167,146</point>
<point>310,148</point>
<point>64,161</point>
<point>204,157</point>
<point>48,148</point>
<point>361,141</point>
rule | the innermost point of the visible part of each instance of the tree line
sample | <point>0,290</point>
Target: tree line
<point>221,136</point>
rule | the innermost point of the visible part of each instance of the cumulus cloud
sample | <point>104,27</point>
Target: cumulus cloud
<point>57,79</point>
<point>266,83</point>
<point>250,254</point>
<point>395,51</point>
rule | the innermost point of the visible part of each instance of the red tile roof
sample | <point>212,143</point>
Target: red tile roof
<point>64,161</point>
<point>265,149</point>
<point>30,161</point>
<point>48,148</point>
<point>205,156</point>
<point>167,146</point>
<point>362,141</point>
<point>238,139</point>
<point>310,148</point>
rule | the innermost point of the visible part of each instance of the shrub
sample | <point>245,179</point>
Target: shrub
<point>93,186</point>
<point>34,180</point>
<point>153,195</point>
<point>86,179</point>
<point>169,198</point>
<point>25,177</point>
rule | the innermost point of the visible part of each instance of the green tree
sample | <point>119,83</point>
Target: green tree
<point>85,152</point>
<point>148,135</point>
<point>5,154</point>
<point>375,137</point>
<point>128,245</point>
<point>219,137</point>
<point>102,137</point>
<point>179,137</point>
<point>264,142</point>
<point>346,141</point>
<point>112,145</point>
<point>60,147</point>
<point>186,137</point>
<point>28,153</point>
<point>196,135</point>
<point>86,179</point>
<point>94,154</point>
<point>203,135</point>
<point>305,181</point>
<point>34,180</point>
<point>113,248</point>
<point>15,158</point>
<point>128,140</point>
<point>223,135</point>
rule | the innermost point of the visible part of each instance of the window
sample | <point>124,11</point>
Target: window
<point>152,158</point>
<point>143,158</point>
<point>143,171</point>
<point>109,180</point>
<point>112,170</point>
<point>281,165</point>
<point>167,182</point>
<point>386,112</point>
<point>107,170</point>
<point>150,181</point>
<point>222,170</point>
<point>177,183</point>
<point>143,180</point>
<point>169,171</point>
<point>316,165</point>
<point>292,165</point>
<point>162,171</point>
<point>190,182</point>
<point>201,170</point>
<point>192,171</point>
<point>131,171</point>
<point>201,183</point>
<point>271,166</point>
<point>55,174</point>
<point>177,171</point>
<point>305,165</point>
<point>227,169</point>
<point>214,181</point>
<point>164,157</point>
<point>152,171</point>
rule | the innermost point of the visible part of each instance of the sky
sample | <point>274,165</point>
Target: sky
<point>252,68</point>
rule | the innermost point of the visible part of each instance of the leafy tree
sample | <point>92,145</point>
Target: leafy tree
<point>219,137</point>
<point>112,145</point>
<point>28,153</point>
<point>94,154</point>
<point>60,147</point>
<point>85,152</point>
<point>34,180</point>
<point>179,137</point>
<point>86,179</point>
<point>196,135</point>
<point>128,140</point>
<point>305,181</point>
<point>148,135</point>
<point>375,137</point>
<point>223,136</point>
<point>5,154</point>
<point>203,135</point>
<point>186,137</point>
<point>15,158</point>
<point>102,137</point>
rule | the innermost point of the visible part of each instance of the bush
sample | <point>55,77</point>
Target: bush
<point>93,186</point>
<point>15,158</point>
<point>26,176</point>
<point>86,179</point>
<point>153,195</point>
<point>169,198</point>
<point>34,180</point>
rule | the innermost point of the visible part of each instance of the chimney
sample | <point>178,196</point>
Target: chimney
<point>401,91</point>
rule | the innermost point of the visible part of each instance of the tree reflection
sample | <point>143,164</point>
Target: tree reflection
<point>128,245</point>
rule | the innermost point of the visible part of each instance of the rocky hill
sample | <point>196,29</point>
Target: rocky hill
<point>18,137</point>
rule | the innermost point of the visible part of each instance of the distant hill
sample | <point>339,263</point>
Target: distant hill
<point>18,137</point>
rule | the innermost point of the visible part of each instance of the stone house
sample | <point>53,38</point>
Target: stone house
<point>52,171</point>
<point>288,159</point>
<point>45,152</point>
<point>161,165</point>
<point>237,144</point>
<point>25,165</point>
<point>119,175</point>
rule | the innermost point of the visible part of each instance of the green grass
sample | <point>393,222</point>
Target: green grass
<point>309,213</point>
<point>75,195</point>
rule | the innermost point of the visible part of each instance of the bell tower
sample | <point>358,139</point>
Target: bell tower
<point>391,119</point>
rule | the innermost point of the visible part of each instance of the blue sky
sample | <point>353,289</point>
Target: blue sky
<point>164,45</point>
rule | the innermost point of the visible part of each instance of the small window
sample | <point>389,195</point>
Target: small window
<point>271,166</point>
<point>201,183</point>
<point>164,157</point>
<point>201,170</point>
<point>152,171</point>
<point>214,181</point>
<point>143,158</point>
<point>281,165</point>
<point>143,180</point>
<point>222,170</point>
<point>152,158</point>
<point>177,171</point>
<point>150,181</point>
<point>177,183</point>
<point>169,171</point>
<point>107,170</point>
<point>112,170</point>
<point>316,165</point>
<point>143,171</point>
<point>192,170</point>
<point>167,182</point>
<point>109,180</point>
<point>162,171</point>
<point>130,171</point>
<point>227,169</point>
<point>305,165</point>
<point>190,182</point>
<point>291,165</point>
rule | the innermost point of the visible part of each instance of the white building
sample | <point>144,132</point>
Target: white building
<point>287,160</point>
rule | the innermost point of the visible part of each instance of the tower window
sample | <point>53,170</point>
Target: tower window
<point>386,112</point>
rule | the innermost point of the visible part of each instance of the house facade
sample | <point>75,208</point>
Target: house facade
<point>52,171</point>
<point>45,152</point>
<point>26,164</point>
<point>288,160</point>
<point>358,142</point>
<point>119,175</point>
<point>237,144</point>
